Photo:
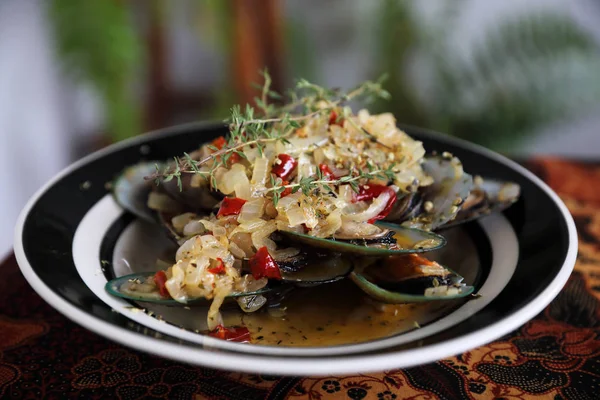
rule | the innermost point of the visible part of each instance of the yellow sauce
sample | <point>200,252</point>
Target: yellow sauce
<point>335,314</point>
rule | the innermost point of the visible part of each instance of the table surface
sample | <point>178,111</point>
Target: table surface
<point>44,355</point>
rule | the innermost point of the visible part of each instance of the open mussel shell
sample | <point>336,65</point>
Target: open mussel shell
<point>439,202</point>
<point>310,270</point>
<point>130,190</point>
<point>164,219</point>
<point>391,240</point>
<point>406,283</point>
<point>328,270</point>
<point>387,296</point>
<point>132,287</point>
<point>199,198</point>
<point>487,197</point>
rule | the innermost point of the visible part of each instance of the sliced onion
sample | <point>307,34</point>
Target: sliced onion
<point>194,228</point>
<point>195,271</point>
<point>332,224</point>
<point>357,229</point>
<point>175,283</point>
<point>260,236</point>
<point>310,216</point>
<point>233,179</point>
<point>249,226</point>
<point>179,222</point>
<point>260,172</point>
<point>190,248</point>
<point>252,210</point>
<point>295,216</point>
<point>376,207</point>
<point>287,202</point>
<point>305,166</point>
<point>214,316</point>
<point>237,250</point>
<point>243,241</point>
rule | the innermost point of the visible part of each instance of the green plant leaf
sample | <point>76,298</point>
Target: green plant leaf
<point>97,43</point>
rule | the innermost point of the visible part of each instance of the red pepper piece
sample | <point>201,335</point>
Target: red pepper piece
<point>218,269</point>
<point>230,206</point>
<point>234,158</point>
<point>235,334</point>
<point>372,191</point>
<point>369,192</point>
<point>326,171</point>
<point>285,167</point>
<point>333,119</point>
<point>263,265</point>
<point>387,209</point>
<point>160,278</point>
<point>219,142</point>
<point>287,191</point>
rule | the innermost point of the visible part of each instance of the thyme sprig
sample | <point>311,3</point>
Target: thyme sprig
<point>247,129</point>
<point>309,184</point>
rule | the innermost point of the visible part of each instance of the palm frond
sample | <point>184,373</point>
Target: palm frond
<point>528,72</point>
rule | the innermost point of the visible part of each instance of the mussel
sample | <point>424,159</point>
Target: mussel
<point>454,198</point>
<point>140,287</point>
<point>133,191</point>
<point>488,196</point>
<point>130,190</point>
<point>381,263</point>
<point>409,279</point>
<point>390,239</point>
<point>436,204</point>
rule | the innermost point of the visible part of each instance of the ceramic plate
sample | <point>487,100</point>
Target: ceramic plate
<point>72,237</point>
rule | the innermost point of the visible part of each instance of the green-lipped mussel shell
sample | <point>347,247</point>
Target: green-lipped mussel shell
<point>116,287</point>
<point>320,272</point>
<point>386,296</point>
<point>492,196</point>
<point>130,190</point>
<point>409,240</point>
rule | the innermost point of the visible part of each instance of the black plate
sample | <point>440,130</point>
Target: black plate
<point>44,235</point>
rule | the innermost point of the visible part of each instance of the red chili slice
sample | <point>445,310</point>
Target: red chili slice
<point>369,192</point>
<point>263,265</point>
<point>287,191</point>
<point>285,167</point>
<point>160,278</point>
<point>234,158</point>
<point>333,119</point>
<point>218,269</point>
<point>230,206</point>
<point>219,142</point>
<point>326,171</point>
<point>387,209</point>
<point>235,334</point>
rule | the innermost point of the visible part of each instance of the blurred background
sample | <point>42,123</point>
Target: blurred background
<point>522,78</point>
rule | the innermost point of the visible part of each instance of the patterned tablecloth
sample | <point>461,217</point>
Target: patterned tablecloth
<point>555,356</point>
